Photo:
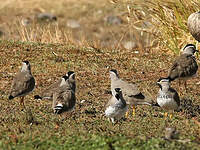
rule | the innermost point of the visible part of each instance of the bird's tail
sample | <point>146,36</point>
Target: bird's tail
<point>171,79</point>
<point>155,104</point>
<point>58,108</point>
<point>145,103</point>
<point>10,97</point>
<point>37,97</point>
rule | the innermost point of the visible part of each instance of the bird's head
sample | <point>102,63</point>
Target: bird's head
<point>25,66</point>
<point>113,74</point>
<point>163,82</point>
<point>190,49</point>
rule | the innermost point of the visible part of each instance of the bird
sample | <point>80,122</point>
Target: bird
<point>23,83</point>
<point>130,91</point>
<point>116,106</point>
<point>193,24</point>
<point>48,92</point>
<point>64,98</point>
<point>184,66</point>
<point>167,98</point>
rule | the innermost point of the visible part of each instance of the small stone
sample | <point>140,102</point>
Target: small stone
<point>48,17</point>
<point>129,45</point>
<point>26,21</point>
<point>136,52</point>
<point>136,59</point>
<point>49,80</point>
<point>73,24</point>
<point>83,101</point>
<point>113,20</point>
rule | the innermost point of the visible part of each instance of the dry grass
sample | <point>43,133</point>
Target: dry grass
<point>88,123</point>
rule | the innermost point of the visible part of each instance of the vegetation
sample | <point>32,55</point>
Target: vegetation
<point>53,49</point>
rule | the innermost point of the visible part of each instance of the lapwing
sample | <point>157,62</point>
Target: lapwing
<point>130,91</point>
<point>185,66</point>
<point>23,83</point>
<point>193,24</point>
<point>167,98</point>
<point>64,98</point>
<point>116,106</point>
<point>48,92</point>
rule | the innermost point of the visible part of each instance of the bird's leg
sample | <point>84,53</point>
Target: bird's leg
<point>22,102</point>
<point>186,86</point>
<point>179,85</point>
<point>126,114</point>
<point>133,113</point>
<point>170,116</point>
<point>165,115</point>
<point>197,48</point>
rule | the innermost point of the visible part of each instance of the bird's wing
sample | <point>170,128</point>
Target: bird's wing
<point>183,66</point>
<point>22,83</point>
<point>111,102</point>
<point>64,96</point>
<point>175,96</point>
<point>130,89</point>
<point>69,99</point>
<point>48,92</point>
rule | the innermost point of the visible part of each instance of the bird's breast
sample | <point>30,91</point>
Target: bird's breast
<point>166,101</point>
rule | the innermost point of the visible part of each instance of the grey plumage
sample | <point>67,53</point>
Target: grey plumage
<point>193,24</point>
<point>64,98</point>
<point>167,97</point>
<point>185,66</point>
<point>23,83</point>
<point>130,92</point>
<point>116,106</point>
<point>48,92</point>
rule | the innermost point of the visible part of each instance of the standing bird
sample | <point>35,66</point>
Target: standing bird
<point>23,83</point>
<point>116,106</point>
<point>130,92</point>
<point>185,66</point>
<point>64,98</point>
<point>193,24</point>
<point>48,92</point>
<point>167,98</point>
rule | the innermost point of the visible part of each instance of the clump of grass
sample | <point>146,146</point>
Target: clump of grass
<point>170,19</point>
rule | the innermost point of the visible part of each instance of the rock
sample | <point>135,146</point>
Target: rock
<point>171,133</point>
<point>73,24</point>
<point>46,17</point>
<point>129,45</point>
<point>113,20</point>
<point>83,101</point>
<point>26,21</point>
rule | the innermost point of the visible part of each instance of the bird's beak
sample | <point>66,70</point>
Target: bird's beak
<point>158,84</point>
<point>196,50</point>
